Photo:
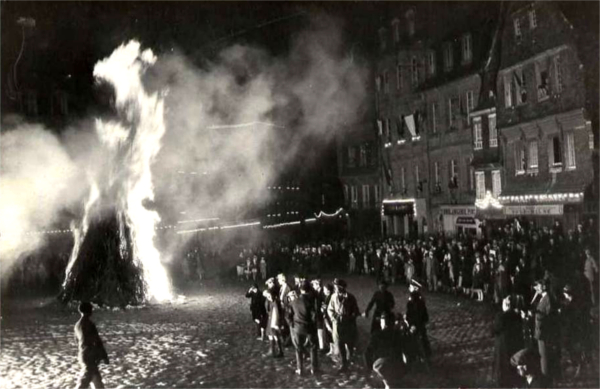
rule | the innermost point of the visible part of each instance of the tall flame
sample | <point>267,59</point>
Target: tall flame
<point>124,70</point>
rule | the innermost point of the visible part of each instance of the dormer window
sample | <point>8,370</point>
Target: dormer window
<point>382,39</point>
<point>467,49</point>
<point>532,19</point>
<point>396,30</point>
<point>448,57</point>
<point>517,29</point>
<point>410,22</point>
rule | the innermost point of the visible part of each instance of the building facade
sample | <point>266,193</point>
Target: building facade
<point>546,138</point>
<point>428,82</point>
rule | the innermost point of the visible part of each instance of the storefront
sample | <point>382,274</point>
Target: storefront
<point>459,219</point>
<point>403,217</point>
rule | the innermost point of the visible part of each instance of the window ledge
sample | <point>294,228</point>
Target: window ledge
<point>520,173</point>
<point>570,168</point>
<point>556,169</point>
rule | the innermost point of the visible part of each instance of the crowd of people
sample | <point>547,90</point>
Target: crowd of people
<point>542,280</point>
<point>321,319</point>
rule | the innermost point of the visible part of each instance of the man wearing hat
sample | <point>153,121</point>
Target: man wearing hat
<point>343,311</point>
<point>575,315</point>
<point>384,352</point>
<point>547,331</point>
<point>383,301</point>
<point>417,316</point>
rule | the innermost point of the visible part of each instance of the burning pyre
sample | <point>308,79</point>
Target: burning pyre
<point>114,259</point>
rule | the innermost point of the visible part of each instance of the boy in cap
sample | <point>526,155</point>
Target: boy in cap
<point>91,349</point>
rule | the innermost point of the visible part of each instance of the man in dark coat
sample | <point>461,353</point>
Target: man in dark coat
<point>303,319</point>
<point>91,349</point>
<point>547,332</point>
<point>383,301</point>
<point>384,352</point>
<point>508,333</point>
<point>417,316</point>
<point>259,312</point>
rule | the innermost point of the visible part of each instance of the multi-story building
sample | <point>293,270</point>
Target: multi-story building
<point>428,81</point>
<point>545,132</point>
<point>359,172</point>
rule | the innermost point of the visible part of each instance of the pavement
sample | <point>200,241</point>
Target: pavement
<point>208,340</point>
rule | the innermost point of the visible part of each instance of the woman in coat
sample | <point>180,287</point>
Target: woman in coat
<point>274,324</point>
<point>508,334</point>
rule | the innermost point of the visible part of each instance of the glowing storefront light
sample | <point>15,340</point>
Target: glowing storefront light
<point>488,201</point>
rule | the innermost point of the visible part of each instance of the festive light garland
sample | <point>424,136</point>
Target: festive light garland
<point>398,201</point>
<point>567,197</point>
<point>323,214</point>
<point>198,220</point>
<point>487,201</point>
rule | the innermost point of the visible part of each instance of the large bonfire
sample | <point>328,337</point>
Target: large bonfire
<point>114,259</point>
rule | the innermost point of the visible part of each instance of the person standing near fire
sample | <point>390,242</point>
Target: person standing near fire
<point>91,349</point>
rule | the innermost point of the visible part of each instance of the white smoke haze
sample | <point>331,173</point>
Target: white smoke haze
<point>38,179</point>
<point>231,128</point>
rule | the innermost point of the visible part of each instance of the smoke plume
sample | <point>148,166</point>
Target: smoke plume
<point>232,127</point>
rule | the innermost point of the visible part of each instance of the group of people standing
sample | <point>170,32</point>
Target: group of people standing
<point>322,319</point>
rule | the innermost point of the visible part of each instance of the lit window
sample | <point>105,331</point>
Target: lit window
<point>354,193</point>
<point>467,52</point>
<point>496,183</point>
<point>471,172</point>
<point>477,133</point>
<point>453,174</point>
<point>570,143</point>
<point>532,19</point>
<point>480,185</point>
<point>493,131</point>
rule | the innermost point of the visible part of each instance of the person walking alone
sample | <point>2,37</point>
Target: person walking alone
<point>91,349</point>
